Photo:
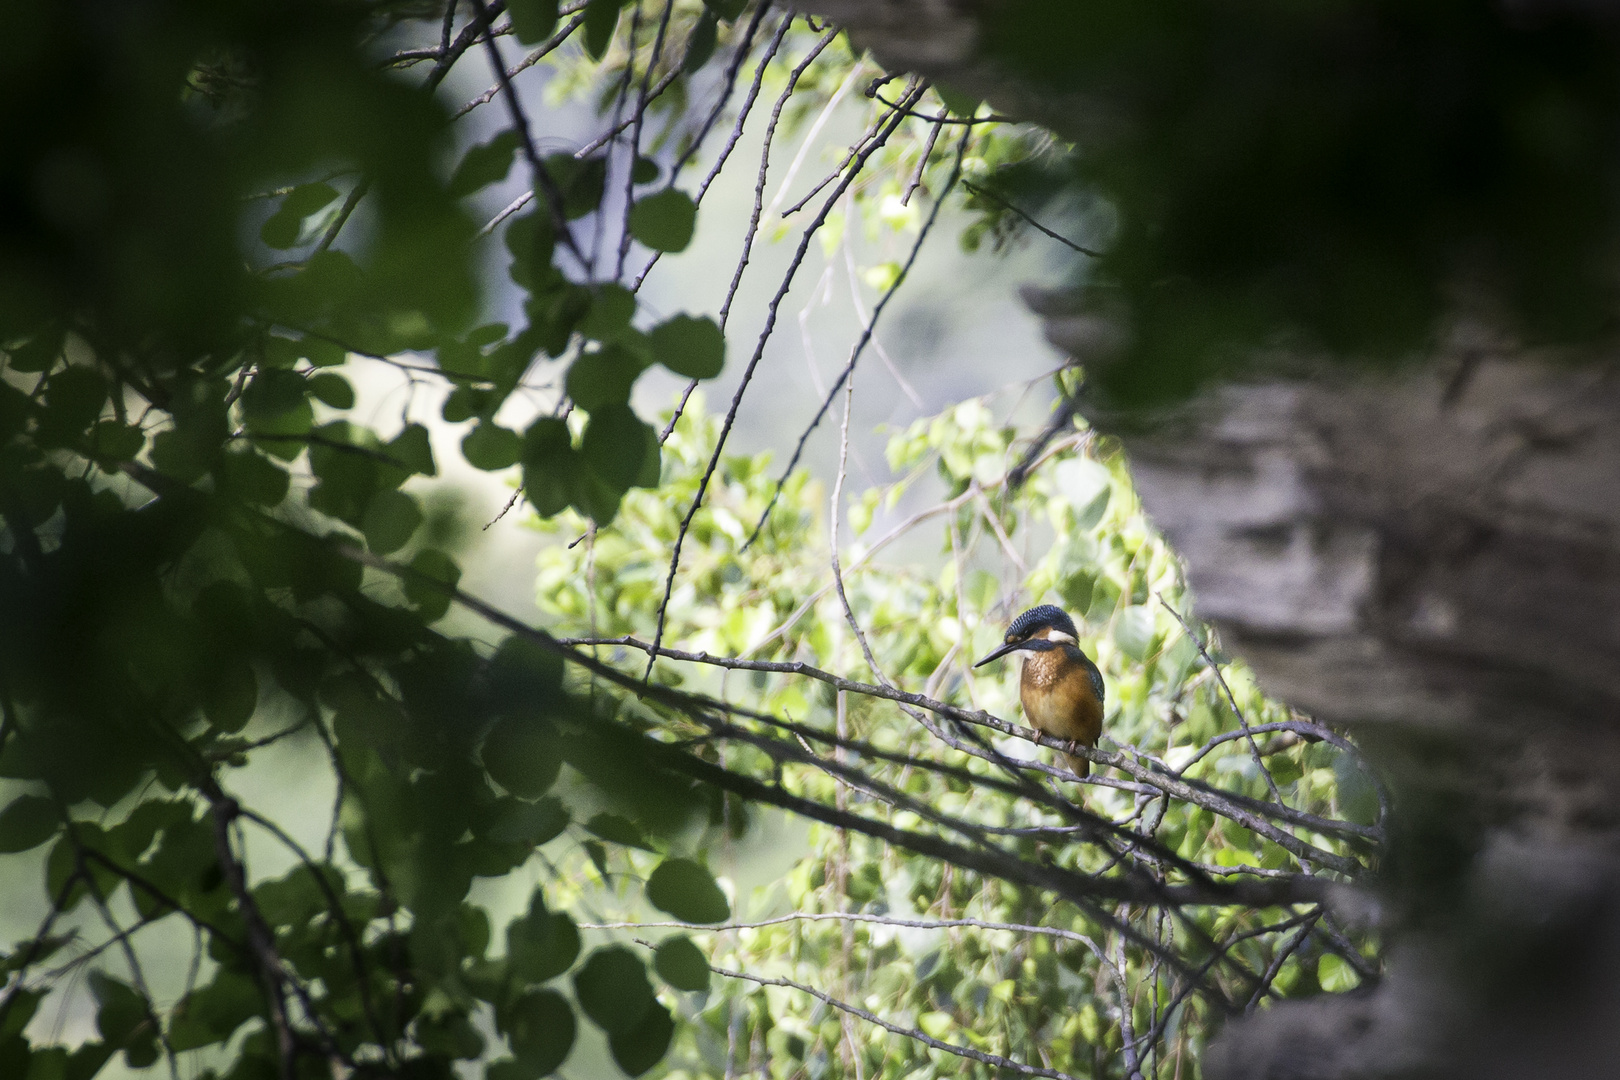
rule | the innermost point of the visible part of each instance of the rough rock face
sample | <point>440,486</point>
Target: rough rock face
<point>1431,558</point>
<point>1434,554</point>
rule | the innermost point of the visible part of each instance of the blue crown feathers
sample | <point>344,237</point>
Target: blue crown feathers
<point>1046,615</point>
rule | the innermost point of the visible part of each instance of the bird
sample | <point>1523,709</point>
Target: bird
<point>1061,689</point>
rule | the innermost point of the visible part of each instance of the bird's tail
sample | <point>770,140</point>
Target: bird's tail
<point>1080,765</point>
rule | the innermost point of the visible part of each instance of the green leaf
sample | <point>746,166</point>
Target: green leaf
<point>435,565</point>
<point>612,307</point>
<point>530,823</point>
<point>549,465</point>
<point>540,1027</point>
<point>523,754</point>
<point>603,377</point>
<point>682,964</point>
<point>123,1011</point>
<point>613,989</point>
<point>700,45</point>
<point>392,517</point>
<point>73,398</point>
<point>639,1050</point>
<point>601,19</point>
<point>690,345</point>
<point>24,1003</point>
<point>644,171</point>
<point>332,389</point>
<point>231,695</point>
<point>488,163</point>
<point>664,221</point>
<point>28,822</point>
<point>617,445</point>
<point>542,944</point>
<point>618,830</point>
<point>412,448</point>
<point>687,891</point>
<point>272,392</point>
<point>582,183</point>
<point>281,230</point>
<point>726,9</point>
<point>532,20</point>
<point>531,241</point>
<point>958,103</point>
<point>450,1035</point>
<point>491,447</point>
<point>38,353</point>
<point>1134,632</point>
<point>111,441</point>
<point>1335,975</point>
<point>253,477</point>
<point>464,403</point>
<point>211,1014</point>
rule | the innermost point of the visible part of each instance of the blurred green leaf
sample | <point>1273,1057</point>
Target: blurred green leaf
<point>523,753</point>
<point>549,465</point>
<point>532,20</point>
<point>27,822</point>
<point>682,964</point>
<point>111,441</point>
<point>530,823</point>
<point>687,891</point>
<point>281,229</point>
<point>690,345</point>
<point>612,307</point>
<point>618,829</point>
<point>700,46</point>
<point>1134,632</point>
<point>601,19</point>
<point>603,377</point>
<point>231,695</point>
<point>540,1028</point>
<point>332,389</point>
<point>638,1050</point>
<point>664,221</point>
<point>434,565</point>
<point>617,446</point>
<point>392,518</point>
<point>491,447</point>
<point>613,990</point>
<point>488,163</point>
<point>958,103</point>
<point>542,944</point>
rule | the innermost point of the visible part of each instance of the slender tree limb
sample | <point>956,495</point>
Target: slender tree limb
<point>867,330</point>
<point>742,387</point>
<point>1064,240</point>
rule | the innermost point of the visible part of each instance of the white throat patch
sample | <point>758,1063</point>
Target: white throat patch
<point>1059,635</point>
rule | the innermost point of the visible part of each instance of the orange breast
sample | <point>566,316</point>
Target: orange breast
<point>1059,699</point>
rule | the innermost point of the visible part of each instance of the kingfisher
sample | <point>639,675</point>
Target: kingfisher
<point>1061,689</point>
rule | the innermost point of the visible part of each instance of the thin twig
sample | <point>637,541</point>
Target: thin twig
<point>747,376</point>
<point>867,330</point>
<point>911,1033</point>
<point>542,177</point>
<point>1064,240</point>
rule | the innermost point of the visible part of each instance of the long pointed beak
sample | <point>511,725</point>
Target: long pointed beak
<point>999,653</point>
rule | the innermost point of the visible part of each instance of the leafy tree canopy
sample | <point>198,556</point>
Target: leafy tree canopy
<point>212,214</point>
